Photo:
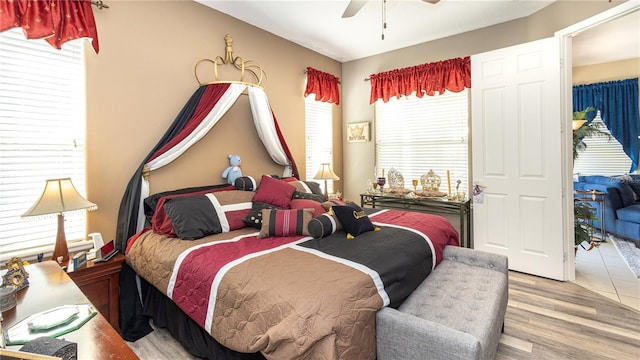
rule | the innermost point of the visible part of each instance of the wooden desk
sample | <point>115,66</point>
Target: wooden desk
<point>49,287</point>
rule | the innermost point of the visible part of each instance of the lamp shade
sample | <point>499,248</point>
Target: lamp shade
<point>326,173</point>
<point>577,124</point>
<point>59,196</point>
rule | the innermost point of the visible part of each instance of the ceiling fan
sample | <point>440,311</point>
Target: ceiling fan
<point>355,6</point>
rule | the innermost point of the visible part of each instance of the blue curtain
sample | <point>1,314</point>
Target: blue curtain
<point>618,105</point>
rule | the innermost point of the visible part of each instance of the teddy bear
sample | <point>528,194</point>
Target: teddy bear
<point>233,172</point>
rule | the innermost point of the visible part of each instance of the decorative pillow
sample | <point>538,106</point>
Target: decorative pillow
<point>315,187</point>
<point>236,205</point>
<point>309,196</point>
<point>324,225</point>
<point>193,217</point>
<point>307,204</point>
<point>230,206</point>
<point>275,192</point>
<point>305,186</point>
<point>634,183</point>
<point>353,219</point>
<point>254,218</point>
<point>246,183</point>
<point>160,222</point>
<point>151,203</point>
<point>332,202</point>
<point>285,222</point>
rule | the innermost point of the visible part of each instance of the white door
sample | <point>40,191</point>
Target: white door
<point>516,155</point>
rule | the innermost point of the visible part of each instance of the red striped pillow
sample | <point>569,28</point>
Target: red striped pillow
<point>284,222</point>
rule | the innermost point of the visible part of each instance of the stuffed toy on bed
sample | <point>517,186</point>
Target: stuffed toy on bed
<point>233,172</point>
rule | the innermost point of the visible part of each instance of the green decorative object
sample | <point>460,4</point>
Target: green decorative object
<point>584,214</point>
<point>52,323</point>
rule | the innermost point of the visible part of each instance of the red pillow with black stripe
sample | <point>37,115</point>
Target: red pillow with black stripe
<point>285,222</point>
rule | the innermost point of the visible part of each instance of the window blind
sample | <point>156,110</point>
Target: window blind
<point>603,155</point>
<point>414,135</point>
<point>318,136</point>
<point>42,130</point>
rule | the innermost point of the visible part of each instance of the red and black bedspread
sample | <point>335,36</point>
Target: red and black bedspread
<point>295,297</point>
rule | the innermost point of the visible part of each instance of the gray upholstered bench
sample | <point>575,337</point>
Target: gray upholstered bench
<point>456,313</point>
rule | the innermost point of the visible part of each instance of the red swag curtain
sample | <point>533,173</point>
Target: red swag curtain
<point>57,21</point>
<point>324,85</point>
<point>453,75</point>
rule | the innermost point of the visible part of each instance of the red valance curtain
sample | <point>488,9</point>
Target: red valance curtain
<point>453,75</point>
<point>324,85</point>
<point>56,21</point>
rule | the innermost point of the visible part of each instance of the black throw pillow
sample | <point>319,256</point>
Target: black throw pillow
<point>354,220</point>
<point>254,218</point>
<point>193,217</point>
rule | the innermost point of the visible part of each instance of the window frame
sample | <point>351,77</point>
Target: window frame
<point>448,104</point>
<point>42,92</point>
<point>318,128</point>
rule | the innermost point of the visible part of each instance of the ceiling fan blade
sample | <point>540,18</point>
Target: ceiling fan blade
<point>432,1</point>
<point>353,8</point>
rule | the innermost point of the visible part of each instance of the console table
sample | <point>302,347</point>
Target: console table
<point>428,205</point>
<point>49,286</point>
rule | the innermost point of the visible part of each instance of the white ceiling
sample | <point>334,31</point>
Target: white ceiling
<point>615,40</point>
<point>319,26</point>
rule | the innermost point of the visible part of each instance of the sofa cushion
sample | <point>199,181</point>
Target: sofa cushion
<point>634,182</point>
<point>626,193</point>
<point>629,213</point>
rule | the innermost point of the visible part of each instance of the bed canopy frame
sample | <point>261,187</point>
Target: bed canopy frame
<point>203,110</point>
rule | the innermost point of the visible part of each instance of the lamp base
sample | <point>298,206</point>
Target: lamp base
<point>60,249</point>
<point>326,193</point>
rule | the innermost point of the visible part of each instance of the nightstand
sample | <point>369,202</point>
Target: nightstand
<point>100,282</point>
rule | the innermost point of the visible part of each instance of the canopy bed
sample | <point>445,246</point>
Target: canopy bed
<point>269,270</point>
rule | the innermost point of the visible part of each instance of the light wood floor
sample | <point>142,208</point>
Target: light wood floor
<point>545,319</point>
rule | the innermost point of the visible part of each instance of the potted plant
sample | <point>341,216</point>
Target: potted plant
<point>584,215</point>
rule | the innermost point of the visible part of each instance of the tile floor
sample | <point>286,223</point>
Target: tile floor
<point>604,271</point>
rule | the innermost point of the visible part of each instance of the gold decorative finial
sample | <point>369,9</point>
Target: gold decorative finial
<point>250,66</point>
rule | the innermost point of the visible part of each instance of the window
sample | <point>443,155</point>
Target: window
<point>603,155</point>
<point>415,135</point>
<point>42,126</point>
<point>319,135</point>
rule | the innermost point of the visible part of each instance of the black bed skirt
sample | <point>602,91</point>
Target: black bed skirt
<point>166,314</point>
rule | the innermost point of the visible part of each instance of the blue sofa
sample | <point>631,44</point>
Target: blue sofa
<point>622,203</point>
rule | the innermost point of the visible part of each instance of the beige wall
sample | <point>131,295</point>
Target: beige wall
<point>143,76</point>
<point>617,70</point>
<point>359,157</point>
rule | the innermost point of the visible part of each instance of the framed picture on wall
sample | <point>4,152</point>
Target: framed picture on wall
<point>358,132</point>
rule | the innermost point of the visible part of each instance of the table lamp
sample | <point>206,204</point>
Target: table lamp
<point>59,196</point>
<point>326,173</point>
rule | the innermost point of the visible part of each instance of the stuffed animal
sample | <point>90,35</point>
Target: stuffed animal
<point>233,172</point>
